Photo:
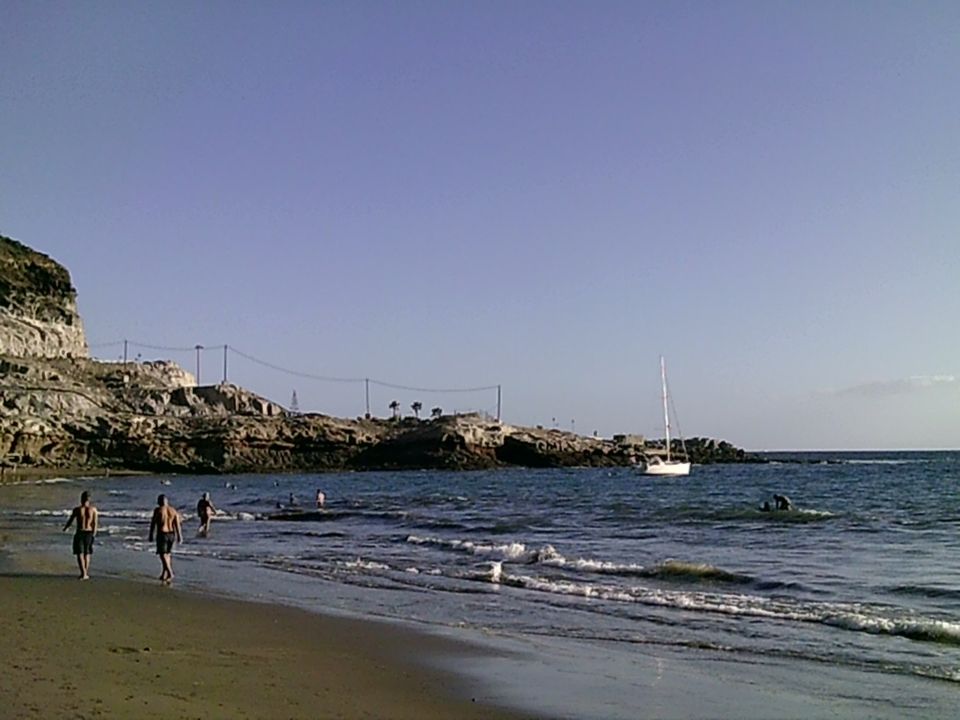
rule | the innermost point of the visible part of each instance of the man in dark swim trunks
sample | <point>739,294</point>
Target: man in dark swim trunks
<point>86,516</point>
<point>165,524</point>
<point>205,511</point>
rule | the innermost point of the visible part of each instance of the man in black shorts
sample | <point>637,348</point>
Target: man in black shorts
<point>165,525</point>
<point>86,516</point>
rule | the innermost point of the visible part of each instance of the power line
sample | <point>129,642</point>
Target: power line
<point>167,348</point>
<point>432,390</point>
<point>372,381</point>
<point>296,373</point>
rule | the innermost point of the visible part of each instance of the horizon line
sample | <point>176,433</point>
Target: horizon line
<point>825,450</point>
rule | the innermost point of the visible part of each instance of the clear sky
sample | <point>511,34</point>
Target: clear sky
<point>542,195</point>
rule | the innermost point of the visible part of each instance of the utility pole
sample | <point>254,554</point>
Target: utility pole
<point>366,385</point>
<point>224,364</point>
<point>124,352</point>
<point>498,403</point>
<point>198,348</point>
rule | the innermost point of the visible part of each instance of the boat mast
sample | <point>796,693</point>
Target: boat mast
<point>666,415</point>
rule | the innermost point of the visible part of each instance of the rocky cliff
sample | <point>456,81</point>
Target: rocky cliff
<point>61,411</point>
<point>81,414</point>
<point>38,305</point>
<point>77,413</point>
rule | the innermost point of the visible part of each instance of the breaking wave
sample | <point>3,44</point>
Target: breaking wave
<point>507,551</point>
<point>847,617</point>
<point>547,555</point>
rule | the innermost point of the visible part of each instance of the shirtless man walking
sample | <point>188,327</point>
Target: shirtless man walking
<point>165,525</point>
<point>205,511</point>
<point>86,516</point>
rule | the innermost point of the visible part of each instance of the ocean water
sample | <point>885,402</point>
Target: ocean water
<point>851,601</point>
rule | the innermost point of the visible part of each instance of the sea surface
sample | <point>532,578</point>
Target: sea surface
<point>595,579</point>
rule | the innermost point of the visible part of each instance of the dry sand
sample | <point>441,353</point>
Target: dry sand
<point>110,648</point>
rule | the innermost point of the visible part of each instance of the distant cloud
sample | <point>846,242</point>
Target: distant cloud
<point>900,386</point>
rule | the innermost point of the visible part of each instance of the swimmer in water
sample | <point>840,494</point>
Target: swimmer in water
<point>782,502</point>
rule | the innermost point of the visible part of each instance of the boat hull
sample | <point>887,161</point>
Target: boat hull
<point>672,468</point>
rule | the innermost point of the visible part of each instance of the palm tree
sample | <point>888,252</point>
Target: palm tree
<point>436,413</point>
<point>395,407</point>
<point>416,406</point>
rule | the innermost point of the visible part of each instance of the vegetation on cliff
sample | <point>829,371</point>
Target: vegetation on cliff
<point>32,279</point>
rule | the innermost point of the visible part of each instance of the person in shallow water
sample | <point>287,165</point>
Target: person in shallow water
<point>205,511</point>
<point>165,525</point>
<point>86,516</point>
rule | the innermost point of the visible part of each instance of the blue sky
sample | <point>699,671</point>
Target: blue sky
<point>541,195</point>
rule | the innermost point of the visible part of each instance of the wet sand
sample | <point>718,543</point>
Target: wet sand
<point>111,648</point>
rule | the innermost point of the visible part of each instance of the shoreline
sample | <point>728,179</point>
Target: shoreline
<point>14,474</point>
<point>134,647</point>
<point>616,673</point>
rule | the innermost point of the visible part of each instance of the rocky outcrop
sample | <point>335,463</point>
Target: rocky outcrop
<point>703,451</point>
<point>706,451</point>
<point>535,447</point>
<point>89,415</point>
<point>61,410</point>
<point>38,305</point>
<point>85,414</point>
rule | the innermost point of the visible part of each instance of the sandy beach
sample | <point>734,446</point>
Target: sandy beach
<point>363,614</point>
<point>112,648</point>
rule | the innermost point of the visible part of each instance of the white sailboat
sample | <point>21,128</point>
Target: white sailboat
<point>656,465</point>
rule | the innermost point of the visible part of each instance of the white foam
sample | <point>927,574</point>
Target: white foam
<point>846,616</point>
<point>813,513</point>
<point>128,514</point>
<point>915,628</point>
<point>507,551</point>
<point>548,555</point>
<point>189,551</point>
<point>115,529</point>
<point>43,481</point>
<point>360,564</point>
<point>590,565</point>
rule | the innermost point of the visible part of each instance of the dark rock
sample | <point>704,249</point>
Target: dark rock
<point>59,409</point>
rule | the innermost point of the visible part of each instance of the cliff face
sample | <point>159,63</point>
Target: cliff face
<point>60,410</point>
<point>83,414</point>
<point>38,305</point>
